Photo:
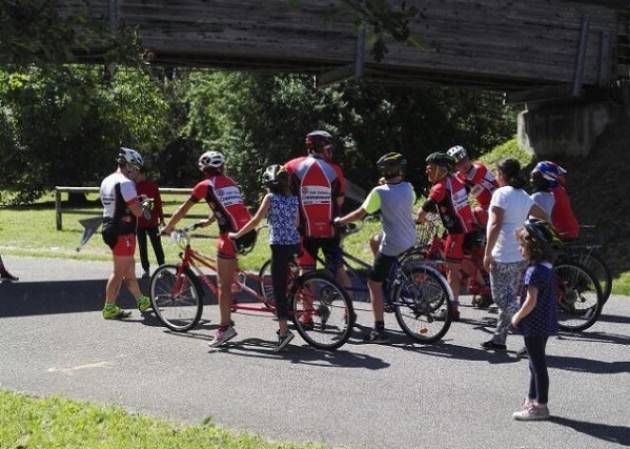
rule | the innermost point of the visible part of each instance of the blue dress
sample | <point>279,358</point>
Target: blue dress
<point>542,321</point>
<point>281,217</point>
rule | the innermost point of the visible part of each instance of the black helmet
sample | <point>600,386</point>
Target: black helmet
<point>391,165</point>
<point>440,159</point>
<point>275,175</point>
<point>543,232</point>
<point>318,140</point>
<point>538,181</point>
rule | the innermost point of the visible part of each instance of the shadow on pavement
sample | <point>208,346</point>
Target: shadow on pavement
<point>614,319</point>
<point>614,434</point>
<point>587,365</point>
<point>596,337</point>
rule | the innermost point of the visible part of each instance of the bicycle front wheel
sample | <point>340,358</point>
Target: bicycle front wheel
<point>579,297</point>
<point>176,297</point>
<point>322,311</point>
<point>419,292</point>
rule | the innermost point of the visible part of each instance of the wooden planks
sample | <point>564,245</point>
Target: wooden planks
<point>520,42</point>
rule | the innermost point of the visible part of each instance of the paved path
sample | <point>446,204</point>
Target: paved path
<point>451,395</point>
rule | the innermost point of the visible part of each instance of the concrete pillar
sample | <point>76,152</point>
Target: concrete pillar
<point>567,128</point>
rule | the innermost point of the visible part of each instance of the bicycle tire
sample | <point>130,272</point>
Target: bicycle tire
<point>417,288</point>
<point>600,270</point>
<point>180,312</point>
<point>577,286</point>
<point>265,285</point>
<point>322,310</point>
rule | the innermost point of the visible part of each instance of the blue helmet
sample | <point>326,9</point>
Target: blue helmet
<point>551,171</point>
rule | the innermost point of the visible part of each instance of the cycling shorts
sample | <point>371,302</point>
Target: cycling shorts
<point>454,247</point>
<point>381,268</point>
<point>125,245</point>
<point>331,249</point>
<point>227,248</point>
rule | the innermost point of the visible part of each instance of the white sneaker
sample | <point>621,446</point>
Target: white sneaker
<point>222,336</point>
<point>532,413</point>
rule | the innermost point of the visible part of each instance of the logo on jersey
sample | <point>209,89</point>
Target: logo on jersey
<point>315,195</point>
<point>228,196</point>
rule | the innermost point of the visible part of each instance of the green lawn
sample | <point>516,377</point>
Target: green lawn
<point>30,231</point>
<point>54,422</point>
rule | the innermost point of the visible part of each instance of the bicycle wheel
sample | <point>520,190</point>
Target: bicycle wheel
<point>579,297</point>
<point>265,284</point>
<point>322,311</point>
<point>176,297</point>
<point>600,271</point>
<point>418,294</point>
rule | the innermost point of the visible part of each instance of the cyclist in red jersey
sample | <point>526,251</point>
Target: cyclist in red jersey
<point>121,207</point>
<point>448,197</point>
<point>224,198</point>
<point>319,185</point>
<point>562,215</point>
<point>479,181</point>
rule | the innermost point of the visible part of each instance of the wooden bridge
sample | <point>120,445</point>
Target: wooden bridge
<point>502,44</point>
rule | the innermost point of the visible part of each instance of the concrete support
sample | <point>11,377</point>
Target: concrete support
<point>568,129</point>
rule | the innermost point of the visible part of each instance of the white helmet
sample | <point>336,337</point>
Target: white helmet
<point>130,156</point>
<point>211,159</point>
<point>458,153</point>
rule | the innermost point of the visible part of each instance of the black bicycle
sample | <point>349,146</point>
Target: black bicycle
<point>414,291</point>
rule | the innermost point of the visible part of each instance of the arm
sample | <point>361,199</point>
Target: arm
<point>538,212</point>
<point>528,305</point>
<point>255,220</point>
<point>355,215</point>
<point>178,215</point>
<point>495,222</point>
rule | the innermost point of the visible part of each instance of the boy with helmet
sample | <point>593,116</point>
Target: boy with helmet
<point>280,208</point>
<point>448,197</point>
<point>541,192</point>
<point>319,185</point>
<point>224,198</point>
<point>394,200</point>
<point>479,181</point>
<point>121,207</point>
<point>562,216</point>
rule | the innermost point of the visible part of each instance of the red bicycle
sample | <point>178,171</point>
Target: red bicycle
<point>177,297</point>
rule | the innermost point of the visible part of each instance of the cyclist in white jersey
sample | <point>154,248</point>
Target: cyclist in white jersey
<point>121,206</point>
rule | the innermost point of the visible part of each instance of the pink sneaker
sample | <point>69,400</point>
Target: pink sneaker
<point>532,413</point>
<point>222,336</point>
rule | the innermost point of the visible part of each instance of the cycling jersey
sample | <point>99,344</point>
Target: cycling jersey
<point>562,216</point>
<point>117,192</point>
<point>450,199</point>
<point>223,196</point>
<point>480,181</point>
<point>318,184</point>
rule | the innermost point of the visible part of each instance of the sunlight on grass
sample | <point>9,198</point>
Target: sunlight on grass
<point>54,422</point>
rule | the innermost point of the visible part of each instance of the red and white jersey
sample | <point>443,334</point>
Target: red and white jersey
<point>224,197</point>
<point>481,183</point>
<point>451,200</point>
<point>117,192</point>
<point>318,184</point>
<point>562,216</point>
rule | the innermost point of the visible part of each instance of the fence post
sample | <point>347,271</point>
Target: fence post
<point>58,208</point>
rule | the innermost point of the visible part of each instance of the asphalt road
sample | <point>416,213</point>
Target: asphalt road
<point>450,395</point>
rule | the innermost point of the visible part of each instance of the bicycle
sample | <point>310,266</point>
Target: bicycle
<point>580,298</point>
<point>177,297</point>
<point>413,291</point>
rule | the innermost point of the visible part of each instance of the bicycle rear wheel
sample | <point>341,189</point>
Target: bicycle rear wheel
<point>579,297</point>
<point>418,294</point>
<point>322,311</point>
<point>265,284</point>
<point>176,297</point>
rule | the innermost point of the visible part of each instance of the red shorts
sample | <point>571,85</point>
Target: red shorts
<point>125,245</point>
<point>454,247</point>
<point>225,247</point>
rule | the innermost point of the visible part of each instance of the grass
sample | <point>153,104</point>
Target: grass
<point>54,422</point>
<point>621,284</point>
<point>507,149</point>
<point>30,231</point>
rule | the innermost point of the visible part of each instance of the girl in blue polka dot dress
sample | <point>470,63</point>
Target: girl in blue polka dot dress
<point>280,208</point>
<point>537,317</point>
